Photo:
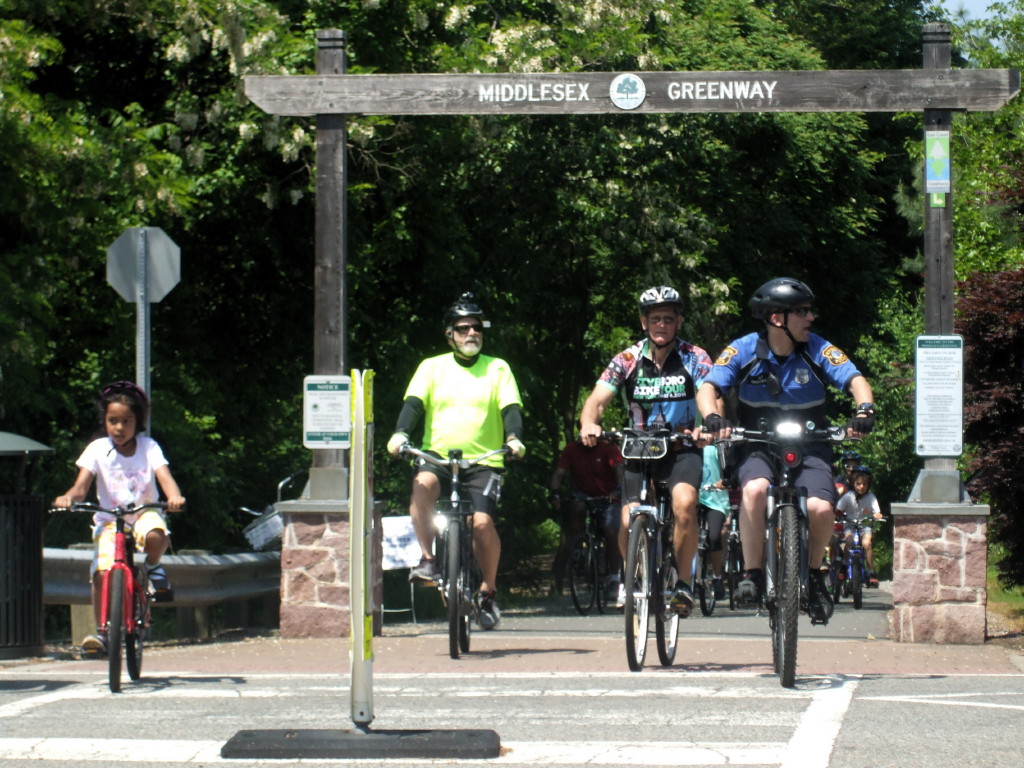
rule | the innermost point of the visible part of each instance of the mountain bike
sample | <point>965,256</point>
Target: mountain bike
<point>651,573</point>
<point>124,605</point>
<point>453,545</point>
<point>785,552</point>
<point>588,559</point>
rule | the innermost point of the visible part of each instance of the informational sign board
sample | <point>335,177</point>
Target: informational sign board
<point>327,411</point>
<point>939,424</point>
<point>936,161</point>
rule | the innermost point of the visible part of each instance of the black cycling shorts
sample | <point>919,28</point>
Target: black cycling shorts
<point>686,466</point>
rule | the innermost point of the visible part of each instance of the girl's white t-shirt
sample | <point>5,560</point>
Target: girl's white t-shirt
<point>123,481</point>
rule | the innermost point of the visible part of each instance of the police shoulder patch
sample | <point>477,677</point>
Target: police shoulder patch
<point>727,354</point>
<point>834,355</point>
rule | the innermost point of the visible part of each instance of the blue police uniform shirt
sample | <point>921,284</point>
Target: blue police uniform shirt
<point>774,388</point>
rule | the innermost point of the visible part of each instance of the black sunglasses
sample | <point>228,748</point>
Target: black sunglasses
<point>802,311</point>
<point>462,330</point>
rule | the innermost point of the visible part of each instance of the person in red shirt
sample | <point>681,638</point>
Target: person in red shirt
<point>594,472</point>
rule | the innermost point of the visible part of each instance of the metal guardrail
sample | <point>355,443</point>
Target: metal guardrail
<point>197,580</point>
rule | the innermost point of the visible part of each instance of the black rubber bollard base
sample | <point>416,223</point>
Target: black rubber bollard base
<point>296,744</point>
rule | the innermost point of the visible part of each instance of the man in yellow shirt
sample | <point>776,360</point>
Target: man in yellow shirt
<point>466,401</point>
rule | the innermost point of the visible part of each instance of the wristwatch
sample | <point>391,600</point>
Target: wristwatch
<point>866,408</point>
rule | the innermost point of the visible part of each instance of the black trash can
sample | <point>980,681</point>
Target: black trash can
<point>22,518</point>
<point>21,576</point>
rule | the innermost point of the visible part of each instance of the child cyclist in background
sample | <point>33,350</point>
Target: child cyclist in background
<point>860,509</point>
<point>127,467</point>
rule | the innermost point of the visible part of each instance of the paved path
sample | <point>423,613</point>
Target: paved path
<point>552,687</point>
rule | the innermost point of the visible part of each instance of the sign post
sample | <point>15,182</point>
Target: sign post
<point>143,265</point>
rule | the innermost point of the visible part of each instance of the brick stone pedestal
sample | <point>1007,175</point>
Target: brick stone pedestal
<point>314,569</point>
<point>939,572</point>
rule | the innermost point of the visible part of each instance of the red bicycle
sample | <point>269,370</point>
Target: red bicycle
<point>124,606</point>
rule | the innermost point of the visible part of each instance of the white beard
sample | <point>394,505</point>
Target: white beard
<point>469,347</point>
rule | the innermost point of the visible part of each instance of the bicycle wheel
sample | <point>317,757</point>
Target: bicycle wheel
<point>468,585</point>
<point>835,578</point>
<point>666,621</point>
<point>582,573</point>
<point>857,580</point>
<point>134,639</point>
<point>638,592</point>
<point>453,586</point>
<point>601,574</point>
<point>734,567</point>
<point>787,599</point>
<point>705,582</point>
<point>115,626</point>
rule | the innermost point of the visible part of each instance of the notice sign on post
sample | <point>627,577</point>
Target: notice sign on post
<point>939,422</point>
<point>327,411</point>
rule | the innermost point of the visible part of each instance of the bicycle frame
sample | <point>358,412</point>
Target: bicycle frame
<point>134,583</point>
<point>786,572</point>
<point>651,570</point>
<point>124,599</point>
<point>454,546</point>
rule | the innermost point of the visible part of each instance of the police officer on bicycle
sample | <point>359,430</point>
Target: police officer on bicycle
<point>781,371</point>
<point>468,401</point>
<point>658,378</point>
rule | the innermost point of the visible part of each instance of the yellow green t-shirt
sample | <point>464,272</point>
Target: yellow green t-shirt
<point>462,406</point>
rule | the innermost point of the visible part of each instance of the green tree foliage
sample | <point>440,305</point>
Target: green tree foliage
<point>991,319</point>
<point>988,152</point>
<point>133,114</point>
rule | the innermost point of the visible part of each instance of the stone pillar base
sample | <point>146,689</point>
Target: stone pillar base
<point>940,559</point>
<point>314,569</point>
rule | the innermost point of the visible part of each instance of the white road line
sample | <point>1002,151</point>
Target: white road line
<point>515,752</point>
<point>112,750</point>
<point>16,708</point>
<point>815,736</point>
<point>953,700</point>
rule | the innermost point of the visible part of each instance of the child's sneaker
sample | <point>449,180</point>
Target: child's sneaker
<point>159,587</point>
<point>95,643</point>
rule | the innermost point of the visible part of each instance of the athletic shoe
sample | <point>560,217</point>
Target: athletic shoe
<point>620,599</point>
<point>819,601</point>
<point>159,586</point>
<point>95,643</point>
<point>487,610</point>
<point>718,588</point>
<point>424,573</point>
<point>682,601</point>
<point>748,589</point>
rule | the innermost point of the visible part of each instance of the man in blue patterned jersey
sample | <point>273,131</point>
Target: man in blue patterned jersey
<point>782,372</point>
<point>658,378</point>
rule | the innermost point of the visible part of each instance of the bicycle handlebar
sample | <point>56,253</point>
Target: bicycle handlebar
<point>463,463</point>
<point>649,445</point>
<point>789,432</point>
<point>90,506</point>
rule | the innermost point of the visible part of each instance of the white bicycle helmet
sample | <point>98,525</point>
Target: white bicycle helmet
<point>660,296</point>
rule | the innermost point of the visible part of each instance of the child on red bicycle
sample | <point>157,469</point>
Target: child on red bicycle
<point>127,467</point>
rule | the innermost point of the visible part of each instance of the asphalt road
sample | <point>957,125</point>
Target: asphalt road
<point>549,688</point>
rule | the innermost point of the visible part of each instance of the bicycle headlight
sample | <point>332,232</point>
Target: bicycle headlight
<point>440,522</point>
<point>788,429</point>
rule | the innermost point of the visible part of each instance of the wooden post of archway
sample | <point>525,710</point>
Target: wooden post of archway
<point>936,90</point>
